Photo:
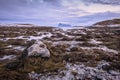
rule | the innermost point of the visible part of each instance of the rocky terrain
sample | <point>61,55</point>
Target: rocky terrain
<point>108,23</point>
<point>49,53</point>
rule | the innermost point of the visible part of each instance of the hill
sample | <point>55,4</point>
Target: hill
<point>109,23</point>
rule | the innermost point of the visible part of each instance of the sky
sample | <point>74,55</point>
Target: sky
<point>53,12</point>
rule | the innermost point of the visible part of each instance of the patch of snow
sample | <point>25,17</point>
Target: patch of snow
<point>93,41</point>
<point>8,57</point>
<point>104,48</point>
<point>114,72</point>
<point>114,25</point>
<point>80,32</point>
<point>32,37</point>
<point>90,29</point>
<point>67,28</point>
<point>108,50</point>
<point>109,33</point>
<point>21,48</point>
<point>102,63</point>
<point>67,42</point>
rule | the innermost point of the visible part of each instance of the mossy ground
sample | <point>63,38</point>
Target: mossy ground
<point>59,54</point>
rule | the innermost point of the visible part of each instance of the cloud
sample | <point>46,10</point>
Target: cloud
<point>51,12</point>
<point>92,7</point>
<point>108,2</point>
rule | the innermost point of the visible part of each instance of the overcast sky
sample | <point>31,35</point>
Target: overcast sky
<point>52,12</point>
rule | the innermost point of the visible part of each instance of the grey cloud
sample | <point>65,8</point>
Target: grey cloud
<point>44,11</point>
<point>108,2</point>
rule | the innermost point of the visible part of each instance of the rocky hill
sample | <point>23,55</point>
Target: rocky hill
<point>109,23</point>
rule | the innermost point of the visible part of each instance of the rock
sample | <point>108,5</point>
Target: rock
<point>14,65</point>
<point>78,72</point>
<point>74,49</point>
<point>115,73</point>
<point>38,49</point>
<point>103,65</point>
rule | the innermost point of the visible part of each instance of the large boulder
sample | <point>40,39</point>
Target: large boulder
<point>38,49</point>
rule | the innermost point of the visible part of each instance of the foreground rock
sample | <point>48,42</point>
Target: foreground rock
<point>38,49</point>
<point>78,72</point>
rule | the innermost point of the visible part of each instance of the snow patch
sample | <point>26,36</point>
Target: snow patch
<point>8,57</point>
<point>104,48</point>
<point>32,37</point>
<point>21,48</point>
<point>93,41</point>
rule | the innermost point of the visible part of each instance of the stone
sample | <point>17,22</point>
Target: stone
<point>38,49</point>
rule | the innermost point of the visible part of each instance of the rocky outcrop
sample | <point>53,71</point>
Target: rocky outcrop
<point>38,49</point>
<point>109,22</point>
<point>79,72</point>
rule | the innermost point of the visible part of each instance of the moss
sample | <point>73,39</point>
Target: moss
<point>52,66</point>
<point>115,65</point>
<point>78,57</point>
<point>91,63</point>
<point>9,52</point>
<point>3,44</point>
<point>42,65</point>
<point>13,75</point>
<point>65,38</point>
<point>20,42</point>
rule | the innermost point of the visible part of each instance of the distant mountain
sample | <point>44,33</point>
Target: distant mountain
<point>64,25</point>
<point>109,23</point>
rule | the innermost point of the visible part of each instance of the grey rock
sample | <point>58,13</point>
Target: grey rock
<point>38,49</point>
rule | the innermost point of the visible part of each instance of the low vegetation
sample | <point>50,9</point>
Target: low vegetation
<point>74,50</point>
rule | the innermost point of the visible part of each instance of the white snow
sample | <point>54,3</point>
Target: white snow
<point>32,37</point>
<point>21,48</point>
<point>114,25</point>
<point>67,28</point>
<point>67,42</point>
<point>79,32</point>
<point>93,41</point>
<point>9,57</point>
<point>104,48</point>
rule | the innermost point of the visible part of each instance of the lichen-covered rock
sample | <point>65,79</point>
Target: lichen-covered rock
<point>38,49</point>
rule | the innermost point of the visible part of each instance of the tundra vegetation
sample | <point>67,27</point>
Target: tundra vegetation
<point>87,46</point>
